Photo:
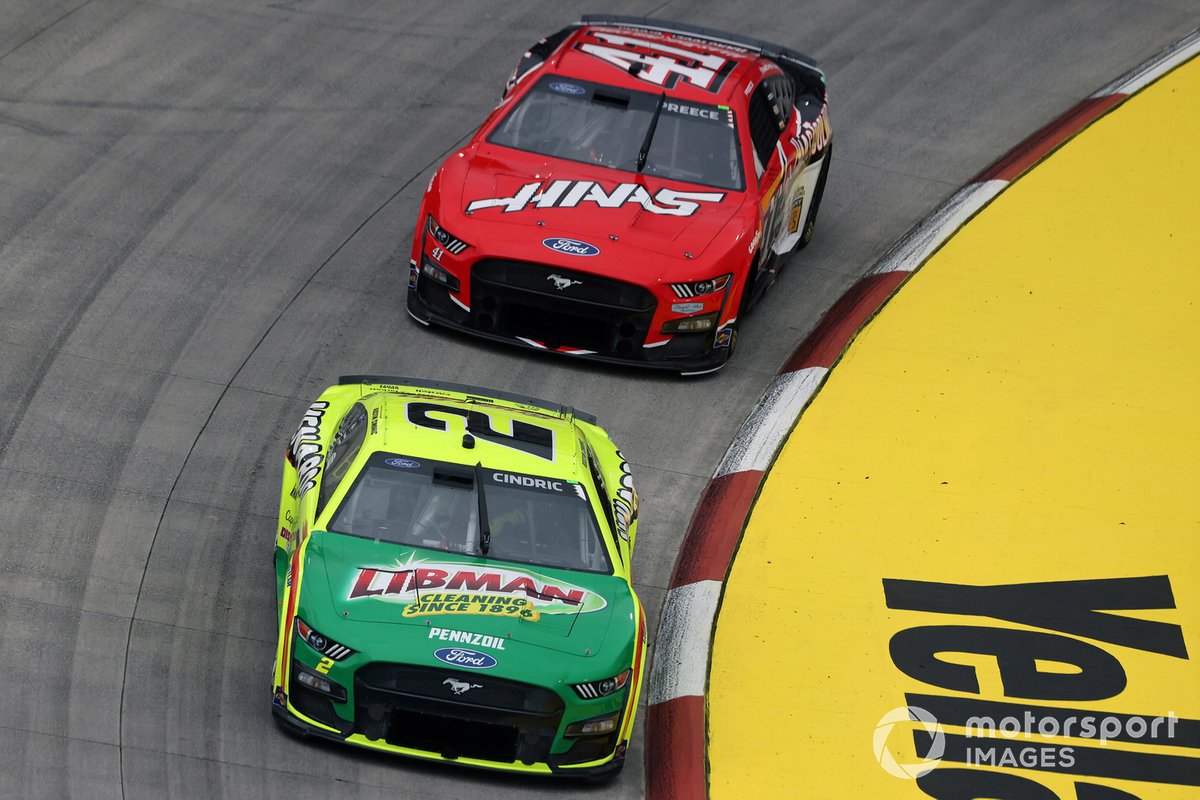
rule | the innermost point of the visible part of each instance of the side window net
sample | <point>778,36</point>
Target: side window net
<point>347,441</point>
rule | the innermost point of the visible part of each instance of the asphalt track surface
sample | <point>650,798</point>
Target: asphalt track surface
<point>205,212</point>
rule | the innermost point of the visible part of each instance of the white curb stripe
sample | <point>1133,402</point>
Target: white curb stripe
<point>932,232</point>
<point>1155,68</point>
<point>771,420</point>
<point>680,664</point>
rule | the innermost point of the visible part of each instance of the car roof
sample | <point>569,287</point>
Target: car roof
<point>597,52</point>
<point>503,437</point>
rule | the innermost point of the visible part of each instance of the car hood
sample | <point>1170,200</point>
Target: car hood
<point>418,595</point>
<point>615,211</point>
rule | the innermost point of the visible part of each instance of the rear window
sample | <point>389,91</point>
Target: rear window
<point>598,124</point>
<point>418,502</point>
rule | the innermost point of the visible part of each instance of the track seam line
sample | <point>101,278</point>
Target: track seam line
<point>212,412</point>
<point>33,36</point>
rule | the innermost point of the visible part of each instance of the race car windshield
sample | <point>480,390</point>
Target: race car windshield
<point>598,124</point>
<point>546,522</point>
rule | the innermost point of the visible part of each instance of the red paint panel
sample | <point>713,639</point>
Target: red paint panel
<point>843,320</point>
<point>716,527</point>
<point>675,750</point>
<point>1045,140</point>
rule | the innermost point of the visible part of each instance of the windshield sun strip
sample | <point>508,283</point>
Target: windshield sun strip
<point>442,470</point>
<point>604,94</point>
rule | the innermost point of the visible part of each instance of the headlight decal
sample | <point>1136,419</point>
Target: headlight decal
<point>445,238</point>
<point>698,288</point>
<point>321,643</point>
<point>593,690</point>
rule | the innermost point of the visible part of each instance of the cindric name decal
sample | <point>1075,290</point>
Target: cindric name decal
<point>570,194</point>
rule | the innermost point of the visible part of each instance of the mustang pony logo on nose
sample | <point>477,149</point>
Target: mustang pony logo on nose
<point>460,687</point>
<point>560,282</point>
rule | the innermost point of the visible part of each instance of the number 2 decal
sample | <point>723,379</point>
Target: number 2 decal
<point>525,437</point>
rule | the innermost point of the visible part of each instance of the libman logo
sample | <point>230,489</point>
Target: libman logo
<point>1073,685</point>
<point>449,588</point>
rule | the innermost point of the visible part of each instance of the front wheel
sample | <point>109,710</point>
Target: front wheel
<point>810,219</point>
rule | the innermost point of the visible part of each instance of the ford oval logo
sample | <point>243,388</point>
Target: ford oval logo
<point>572,247</point>
<point>567,88</point>
<point>462,657</point>
<point>402,463</point>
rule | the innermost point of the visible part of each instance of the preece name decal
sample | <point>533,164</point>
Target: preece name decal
<point>1060,660</point>
<point>462,589</point>
<point>304,449</point>
<point>569,194</point>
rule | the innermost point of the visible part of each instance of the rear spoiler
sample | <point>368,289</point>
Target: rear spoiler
<point>774,52</point>
<point>477,391</point>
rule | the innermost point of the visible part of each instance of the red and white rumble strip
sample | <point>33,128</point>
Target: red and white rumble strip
<point>676,728</point>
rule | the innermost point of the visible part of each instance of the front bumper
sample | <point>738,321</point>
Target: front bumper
<point>430,303</point>
<point>394,713</point>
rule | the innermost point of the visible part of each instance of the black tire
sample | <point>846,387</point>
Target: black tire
<point>810,219</point>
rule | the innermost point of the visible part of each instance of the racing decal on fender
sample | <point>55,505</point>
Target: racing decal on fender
<point>304,449</point>
<point>569,194</point>
<point>794,216</point>
<point>450,588</point>
<point>625,500</point>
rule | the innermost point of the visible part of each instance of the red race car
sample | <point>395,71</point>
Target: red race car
<point>631,196</point>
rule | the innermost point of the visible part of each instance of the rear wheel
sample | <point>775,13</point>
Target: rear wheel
<point>810,219</point>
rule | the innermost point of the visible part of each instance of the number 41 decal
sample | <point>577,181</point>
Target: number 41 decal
<point>704,71</point>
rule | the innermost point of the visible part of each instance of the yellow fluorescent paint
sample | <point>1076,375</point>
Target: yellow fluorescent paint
<point>1024,410</point>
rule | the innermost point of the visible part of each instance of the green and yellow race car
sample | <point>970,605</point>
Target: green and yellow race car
<point>453,578</point>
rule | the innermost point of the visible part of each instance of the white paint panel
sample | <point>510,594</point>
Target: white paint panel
<point>769,423</point>
<point>680,667</point>
<point>1149,71</point>
<point>921,242</point>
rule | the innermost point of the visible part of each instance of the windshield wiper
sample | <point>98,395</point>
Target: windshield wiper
<point>645,151</point>
<point>485,528</point>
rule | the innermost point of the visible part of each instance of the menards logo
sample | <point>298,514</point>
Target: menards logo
<point>461,589</point>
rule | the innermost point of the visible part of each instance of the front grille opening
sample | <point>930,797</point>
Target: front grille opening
<point>452,738</point>
<point>556,329</point>
<point>527,301</point>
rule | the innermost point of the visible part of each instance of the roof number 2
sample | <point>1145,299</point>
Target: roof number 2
<point>527,438</point>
